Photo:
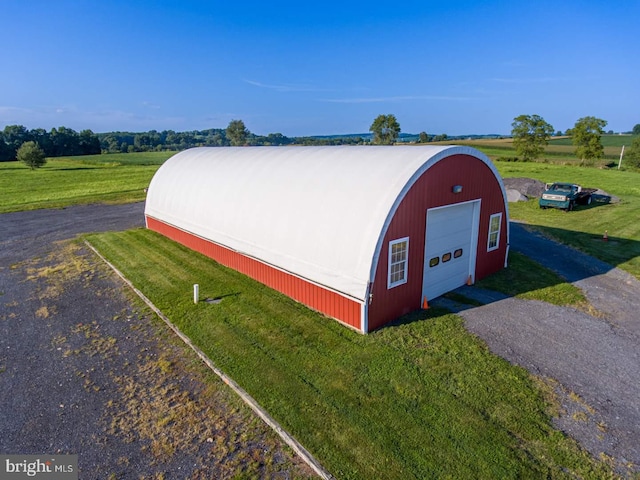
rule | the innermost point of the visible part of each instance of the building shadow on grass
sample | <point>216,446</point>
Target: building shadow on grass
<point>421,315</point>
<point>568,264</point>
<point>69,169</point>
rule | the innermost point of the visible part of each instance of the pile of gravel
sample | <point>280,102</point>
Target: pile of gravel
<point>522,189</point>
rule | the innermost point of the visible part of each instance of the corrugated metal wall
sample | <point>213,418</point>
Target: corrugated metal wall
<point>434,189</point>
<point>330,303</point>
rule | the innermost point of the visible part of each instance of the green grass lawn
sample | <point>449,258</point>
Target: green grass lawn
<point>529,280</point>
<point>121,178</point>
<point>68,181</point>
<point>584,227</point>
<point>420,399</point>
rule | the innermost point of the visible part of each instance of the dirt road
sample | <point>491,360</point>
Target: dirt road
<point>85,370</point>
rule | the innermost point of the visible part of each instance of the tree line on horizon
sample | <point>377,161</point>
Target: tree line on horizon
<point>63,141</point>
<point>531,133</point>
<point>57,142</point>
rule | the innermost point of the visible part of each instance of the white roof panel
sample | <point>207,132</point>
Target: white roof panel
<point>318,212</point>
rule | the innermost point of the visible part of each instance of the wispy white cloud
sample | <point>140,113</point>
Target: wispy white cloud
<point>286,87</point>
<point>525,80</point>
<point>403,98</point>
<point>151,105</point>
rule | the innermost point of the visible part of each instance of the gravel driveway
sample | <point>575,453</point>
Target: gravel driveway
<point>595,358</point>
<point>85,370</point>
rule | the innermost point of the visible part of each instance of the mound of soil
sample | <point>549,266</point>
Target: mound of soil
<point>528,187</point>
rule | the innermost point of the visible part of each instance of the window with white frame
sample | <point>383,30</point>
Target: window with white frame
<point>398,262</point>
<point>495,221</point>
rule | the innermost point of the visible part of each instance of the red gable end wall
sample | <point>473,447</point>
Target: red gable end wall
<point>434,189</point>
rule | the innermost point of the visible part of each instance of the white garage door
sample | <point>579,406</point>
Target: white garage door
<point>450,249</point>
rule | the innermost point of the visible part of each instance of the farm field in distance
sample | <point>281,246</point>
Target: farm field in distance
<point>559,151</point>
<point>122,178</point>
<point>450,372</point>
<point>64,181</point>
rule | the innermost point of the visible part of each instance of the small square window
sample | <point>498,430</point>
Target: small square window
<point>457,253</point>
<point>446,257</point>
<point>434,261</point>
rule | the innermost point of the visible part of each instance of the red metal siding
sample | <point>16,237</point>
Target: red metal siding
<point>314,296</point>
<point>434,189</point>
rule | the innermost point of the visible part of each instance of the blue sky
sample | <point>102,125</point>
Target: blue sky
<point>317,68</point>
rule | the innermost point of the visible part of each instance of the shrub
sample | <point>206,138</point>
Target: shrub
<point>31,155</point>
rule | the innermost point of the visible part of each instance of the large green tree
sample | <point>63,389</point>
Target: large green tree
<point>237,133</point>
<point>385,129</point>
<point>31,155</point>
<point>585,136</point>
<point>636,129</point>
<point>531,134</point>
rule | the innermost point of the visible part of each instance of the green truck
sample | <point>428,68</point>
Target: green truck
<point>565,196</point>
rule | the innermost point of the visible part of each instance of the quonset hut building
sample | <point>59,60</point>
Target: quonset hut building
<point>362,234</point>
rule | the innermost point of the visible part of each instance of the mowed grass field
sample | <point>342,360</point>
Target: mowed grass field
<point>584,227</point>
<point>420,399</point>
<point>64,181</point>
<point>121,178</point>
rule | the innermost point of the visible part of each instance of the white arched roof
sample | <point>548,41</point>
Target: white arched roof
<point>318,212</point>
